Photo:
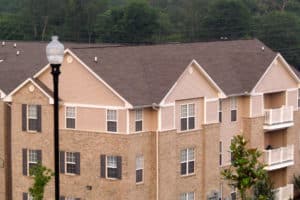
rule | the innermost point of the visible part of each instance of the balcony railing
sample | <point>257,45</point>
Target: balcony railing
<point>279,117</point>
<point>280,157</point>
<point>284,193</point>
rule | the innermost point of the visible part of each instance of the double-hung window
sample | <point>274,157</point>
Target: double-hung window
<point>70,163</point>
<point>112,166</point>
<point>70,117</point>
<point>233,108</point>
<point>187,196</point>
<point>220,111</point>
<point>187,114</point>
<point>187,161</point>
<point>139,120</point>
<point>139,168</point>
<point>30,159</point>
<point>31,118</point>
<point>111,119</point>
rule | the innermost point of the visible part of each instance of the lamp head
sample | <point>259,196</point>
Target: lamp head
<point>55,51</point>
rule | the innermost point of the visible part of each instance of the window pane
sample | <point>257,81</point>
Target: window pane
<point>139,163</point>
<point>70,122</point>
<point>32,111</point>
<point>191,167</point>
<point>112,161</point>
<point>32,124</point>
<point>139,175</point>
<point>183,196</point>
<point>70,157</point>
<point>191,196</point>
<point>112,172</point>
<point>220,116</point>
<point>191,110</point>
<point>191,122</point>
<point>33,156</point>
<point>183,111</point>
<point>233,103</point>
<point>183,169</point>
<point>138,125</point>
<point>71,168</point>
<point>233,115</point>
<point>138,114</point>
<point>70,112</point>
<point>191,154</point>
<point>220,105</point>
<point>111,115</point>
<point>183,124</point>
<point>112,126</point>
<point>183,155</point>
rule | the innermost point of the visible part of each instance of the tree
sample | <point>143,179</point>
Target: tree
<point>246,170</point>
<point>42,176</point>
<point>135,23</point>
<point>280,31</point>
<point>227,18</point>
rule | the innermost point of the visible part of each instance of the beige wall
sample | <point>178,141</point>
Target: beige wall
<point>272,83</point>
<point>276,138</point>
<point>292,98</point>
<point>278,177</point>
<point>212,114</point>
<point>257,106</point>
<point>192,84</point>
<point>77,85</point>
<point>274,100</point>
<point>167,118</point>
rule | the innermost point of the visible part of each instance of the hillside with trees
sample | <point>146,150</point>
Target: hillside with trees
<point>275,22</point>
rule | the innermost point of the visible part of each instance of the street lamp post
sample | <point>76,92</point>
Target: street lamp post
<point>55,55</point>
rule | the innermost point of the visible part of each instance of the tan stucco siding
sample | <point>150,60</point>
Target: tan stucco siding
<point>212,115</point>
<point>257,106</point>
<point>292,98</point>
<point>199,112</point>
<point>278,78</point>
<point>167,118</point>
<point>78,85</point>
<point>149,118</point>
<point>192,84</point>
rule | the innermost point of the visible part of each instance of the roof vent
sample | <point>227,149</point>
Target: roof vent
<point>263,48</point>
<point>15,45</point>
<point>3,43</point>
<point>18,53</point>
<point>96,59</point>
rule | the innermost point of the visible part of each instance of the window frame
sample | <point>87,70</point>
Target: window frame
<point>188,116</point>
<point>187,161</point>
<point>139,119</point>
<point>233,108</point>
<point>115,120</point>
<point>29,151</point>
<point>31,118</point>
<point>139,167</point>
<point>187,195</point>
<point>70,162</point>
<point>66,117</point>
<point>115,168</point>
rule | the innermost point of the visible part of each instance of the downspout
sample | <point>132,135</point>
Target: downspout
<point>156,107</point>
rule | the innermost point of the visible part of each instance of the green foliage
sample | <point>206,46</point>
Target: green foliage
<point>263,190</point>
<point>42,176</point>
<point>296,182</point>
<point>245,170</point>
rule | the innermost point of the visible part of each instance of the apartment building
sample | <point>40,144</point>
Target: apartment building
<point>147,122</point>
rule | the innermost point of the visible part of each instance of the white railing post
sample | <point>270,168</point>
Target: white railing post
<point>269,153</point>
<point>281,154</point>
<point>270,118</point>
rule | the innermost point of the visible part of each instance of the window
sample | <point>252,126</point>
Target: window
<point>68,198</point>
<point>221,191</point>
<point>187,161</point>
<point>187,196</point>
<point>220,153</point>
<point>70,163</point>
<point>220,111</point>
<point>111,167</point>
<point>30,197</point>
<point>27,196</point>
<point>299,98</point>
<point>233,108</point>
<point>187,121</point>
<point>30,158</point>
<point>138,120</point>
<point>233,193</point>
<point>139,168</point>
<point>70,117</point>
<point>111,120</point>
<point>31,118</point>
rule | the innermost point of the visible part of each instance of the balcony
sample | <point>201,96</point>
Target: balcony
<point>279,118</point>
<point>285,192</point>
<point>279,158</point>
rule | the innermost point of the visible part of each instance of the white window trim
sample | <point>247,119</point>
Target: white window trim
<point>234,107</point>
<point>75,110</point>
<point>187,117</point>
<point>139,120</point>
<point>28,159</point>
<point>187,161</point>
<point>117,116</point>
<point>27,117</point>
<point>67,162</point>
<point>106,167</point>
<point>140,168</point>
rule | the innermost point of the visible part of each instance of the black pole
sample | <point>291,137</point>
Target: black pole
<point>55,72</point>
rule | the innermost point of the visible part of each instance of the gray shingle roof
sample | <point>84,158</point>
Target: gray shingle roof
<point>144,74</point>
